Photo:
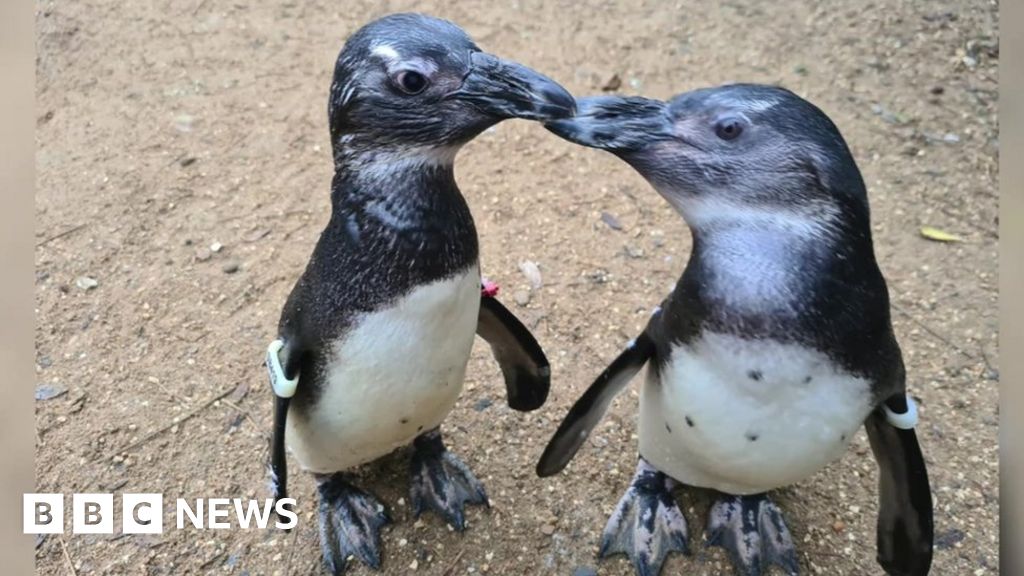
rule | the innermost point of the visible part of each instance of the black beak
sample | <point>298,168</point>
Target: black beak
<point>616,124</point>
<point>505,89</point>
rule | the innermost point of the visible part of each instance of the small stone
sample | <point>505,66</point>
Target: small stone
<point>216,247</point>
<point>949,538</point>
<point>547,529</point>
<point>230,267</point>
<point>86,282</point>
<point>414,564</point>
<point>184,122</point>
<point>951,138</point>
<point>613,84</point>
<point>584,571</point>
<point>482,404</point>
<point>838,526</point>
<point>187,161</point>
<point>522,297</point>
<point>611,221</point>
<point>48,391</point>
<point>532,273</point>
<point>202,255</point>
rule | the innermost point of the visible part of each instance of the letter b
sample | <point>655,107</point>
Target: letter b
<point>92,513</point>
<point>43,513</point>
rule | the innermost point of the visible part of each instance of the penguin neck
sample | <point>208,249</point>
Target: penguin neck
<point>399,187</point>
<point>759,261</point>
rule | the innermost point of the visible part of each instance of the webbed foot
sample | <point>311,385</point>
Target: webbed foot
<point>441,482</point>
<point>753,533</point>
<point>647,524</point>
<point>350,524</point>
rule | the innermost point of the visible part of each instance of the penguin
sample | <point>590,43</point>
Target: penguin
<point>774,346</point>
<point>375,336</point>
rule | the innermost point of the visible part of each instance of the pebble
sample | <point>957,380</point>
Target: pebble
<point>184,122</point>
<point>48,391</point>
<point>202,255</point>
<point>230,267</point>
<point>547,529</point>
<point>611,221</point>
<point>522,297</point>
<point>414,564</point>
<point>216,247</point>
<point>532,273</point>
<point>86,282</point>
<point>584,571</point>
<point>482,404</point>
<point>838,526</point>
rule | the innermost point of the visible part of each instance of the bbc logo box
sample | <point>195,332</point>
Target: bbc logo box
<point>93,513</point>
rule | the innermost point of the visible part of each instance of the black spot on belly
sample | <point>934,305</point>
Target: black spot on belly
<point>689,422</point>
<point>403,421</point>
<point>754,375</point>
<point>752,437</point>
<point>667,427</point>
<point>807,380</point>
<point>419,428</point>
<point>842,438</point>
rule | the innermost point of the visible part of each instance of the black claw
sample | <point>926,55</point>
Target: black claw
<point>752,532</point>
<point>441,482</point>
<point>350,525</point>
<point>647,524</point>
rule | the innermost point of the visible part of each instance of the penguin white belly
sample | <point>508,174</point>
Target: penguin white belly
<point>394,375</point>
<point>745,416</point>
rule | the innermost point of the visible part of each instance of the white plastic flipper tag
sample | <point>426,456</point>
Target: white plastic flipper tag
<point>283,387</point>
<point>904,421</point>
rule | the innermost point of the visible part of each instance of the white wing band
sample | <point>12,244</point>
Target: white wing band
<point>283,387</point>
<point>904,421</point>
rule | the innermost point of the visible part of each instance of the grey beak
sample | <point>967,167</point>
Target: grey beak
<point>505,89</point>
<point>615,124</point>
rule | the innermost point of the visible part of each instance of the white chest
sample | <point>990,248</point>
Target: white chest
<point>394,375</point>
<point>745,416</point>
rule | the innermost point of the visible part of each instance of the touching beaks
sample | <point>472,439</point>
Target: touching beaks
<point>616,124</point>
<point>506,89</point>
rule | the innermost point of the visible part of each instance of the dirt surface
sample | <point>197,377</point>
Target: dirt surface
<point>167,127</point>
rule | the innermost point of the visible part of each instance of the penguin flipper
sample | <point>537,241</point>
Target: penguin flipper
<point>905,531</point>
<point>589,409</point>
<point>284,366</point>
<point>523,363</point>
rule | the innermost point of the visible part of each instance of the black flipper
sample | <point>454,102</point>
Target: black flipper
<point>289,359</point>
<point>526,369</point>
<point>587,411</point>
<point>905,525</point>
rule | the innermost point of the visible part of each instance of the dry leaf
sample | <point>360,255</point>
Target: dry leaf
<point>939,235</point>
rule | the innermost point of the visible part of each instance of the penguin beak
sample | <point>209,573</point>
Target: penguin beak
<point>505,89</point>
<point>616,124</point>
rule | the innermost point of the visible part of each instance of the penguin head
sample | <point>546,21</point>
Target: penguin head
<point>413,82</point>
<point>732,154</point>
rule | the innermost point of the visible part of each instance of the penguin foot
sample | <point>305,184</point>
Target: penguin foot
<point>647,524</point>
<point>442,482</point>
<point>752,532</point>
<point>350,524</point>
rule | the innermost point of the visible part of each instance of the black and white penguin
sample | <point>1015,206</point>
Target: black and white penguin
<point>376,334</point>
<point>775,345</point>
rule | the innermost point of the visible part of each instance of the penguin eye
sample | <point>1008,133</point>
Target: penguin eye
<point>410,81</point>
<point>729,128</point>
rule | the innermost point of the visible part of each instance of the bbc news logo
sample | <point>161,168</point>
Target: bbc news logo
<point>144,513</point>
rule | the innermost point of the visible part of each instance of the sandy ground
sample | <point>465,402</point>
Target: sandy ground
<point>166,127</point>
